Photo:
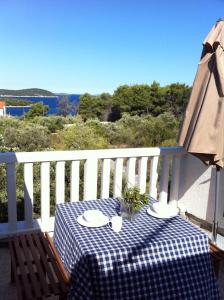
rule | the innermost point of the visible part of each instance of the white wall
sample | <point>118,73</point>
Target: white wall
<point>197,189</point>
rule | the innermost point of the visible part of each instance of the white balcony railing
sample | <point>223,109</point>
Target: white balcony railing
<point>138,165</point>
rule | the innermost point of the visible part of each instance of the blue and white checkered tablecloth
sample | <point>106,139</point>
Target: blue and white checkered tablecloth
<point>149,259</point>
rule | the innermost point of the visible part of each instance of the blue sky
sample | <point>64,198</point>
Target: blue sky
<point>94,46</point>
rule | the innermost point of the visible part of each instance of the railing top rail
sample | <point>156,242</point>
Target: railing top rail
<point>48,156</point>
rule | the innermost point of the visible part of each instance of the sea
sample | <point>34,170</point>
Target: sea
<point>50,101</point>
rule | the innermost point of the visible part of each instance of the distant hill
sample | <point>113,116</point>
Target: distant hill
<point>26,92</point>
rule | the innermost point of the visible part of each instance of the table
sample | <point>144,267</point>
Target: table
<point>149,259</point>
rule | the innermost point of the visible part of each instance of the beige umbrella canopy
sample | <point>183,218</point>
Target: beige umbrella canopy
<point>202,133</point>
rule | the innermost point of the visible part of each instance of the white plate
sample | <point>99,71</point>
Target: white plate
<point>166,209</point>
<point>151,212</point>
<point>104,220</point>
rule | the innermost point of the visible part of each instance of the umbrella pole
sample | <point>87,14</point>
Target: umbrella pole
<point>215,219</point>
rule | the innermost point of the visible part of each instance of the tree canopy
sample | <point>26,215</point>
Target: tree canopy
<point>137,100</point>
<point>177,96</point>
<point>37,109</point>
<point>65,107</point>
<point>27,138</point>
<point>16,102</point>
<point>95,106</point>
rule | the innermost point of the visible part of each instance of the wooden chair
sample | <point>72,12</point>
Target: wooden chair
<point>217,257</point>
<point>36,267</point>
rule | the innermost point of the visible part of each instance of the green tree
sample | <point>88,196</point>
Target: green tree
<point>176,97</point>
<point>138,100</point>
<point>141,131</point>
<point>27,138</point>
<point>157,100</point>
<point>16,102</point>
<point>132,99</point>
<point>81,136</point>
<point>37,109</point>
<point>53,123</point>
<point>165,129</point>
<point>65,107</point>
<point>9,123</point>
<point>91,107</point>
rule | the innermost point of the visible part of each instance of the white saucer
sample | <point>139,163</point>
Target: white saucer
<point>152,213</point>
<point>104,220</point>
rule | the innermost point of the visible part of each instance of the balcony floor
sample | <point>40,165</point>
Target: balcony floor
<point>8,290</point>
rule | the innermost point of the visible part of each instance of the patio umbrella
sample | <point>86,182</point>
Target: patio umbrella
<point>202,132</point>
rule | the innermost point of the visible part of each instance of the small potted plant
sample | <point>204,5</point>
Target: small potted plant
<point>132,201</point>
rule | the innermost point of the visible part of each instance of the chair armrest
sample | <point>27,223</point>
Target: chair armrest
<point>60,264</point>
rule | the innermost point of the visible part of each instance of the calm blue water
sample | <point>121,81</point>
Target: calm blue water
<point>51,102</point>
<point>17,111</point>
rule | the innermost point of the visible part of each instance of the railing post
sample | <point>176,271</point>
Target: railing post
<point>11,193</point>
<point>142,172</point>
<point>90,179</point>
<point>74,188</point>
<point>153,177</point>
<point>45,194</point>
<point>118,174</point>
<point>28,194</point>
<point>105,179</point>
<point>163,196</point>
<point>60,182</point>
<point>175,181</point>
<point>131,172</point>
